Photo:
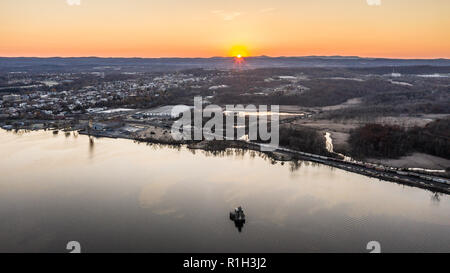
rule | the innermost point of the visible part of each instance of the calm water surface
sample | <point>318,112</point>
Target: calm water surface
<point>117,195</point>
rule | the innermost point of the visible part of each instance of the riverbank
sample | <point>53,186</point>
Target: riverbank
<point>436,182</point>
<point>416,178</point>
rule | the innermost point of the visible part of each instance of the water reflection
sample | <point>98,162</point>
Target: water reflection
<point>127,196</point>
<point>239,225</point>
<point>237,153</point>
<point>436,197</point>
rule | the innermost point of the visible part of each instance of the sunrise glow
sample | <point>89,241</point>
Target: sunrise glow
<point>136,28</point>
<point>239,51</point>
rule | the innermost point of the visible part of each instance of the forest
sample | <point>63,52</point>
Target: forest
<point>387,141</point>
<point>303,139</point>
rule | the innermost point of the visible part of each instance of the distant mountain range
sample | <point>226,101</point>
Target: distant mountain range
<point>91,64</point>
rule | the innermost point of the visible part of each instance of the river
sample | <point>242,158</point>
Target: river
<point>116,195</point>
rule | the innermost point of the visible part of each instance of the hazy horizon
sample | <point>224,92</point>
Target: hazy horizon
<point>225,57</point>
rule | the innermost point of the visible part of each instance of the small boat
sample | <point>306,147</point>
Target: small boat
<point>237,215</point>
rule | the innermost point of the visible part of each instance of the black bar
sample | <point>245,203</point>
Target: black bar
<point>177,262</point>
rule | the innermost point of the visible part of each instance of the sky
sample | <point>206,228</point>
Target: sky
<point>207,28</point>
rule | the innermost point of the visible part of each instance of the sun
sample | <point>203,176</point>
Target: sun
<point>239,51</point>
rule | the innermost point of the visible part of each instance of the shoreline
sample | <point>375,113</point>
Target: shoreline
<point>397,175</point>
<point>403,176</point>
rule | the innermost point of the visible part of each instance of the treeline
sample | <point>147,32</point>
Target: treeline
<point>375,140</point>
<point>303,139</point>
<point>433,139</point>
<point>387,141</point>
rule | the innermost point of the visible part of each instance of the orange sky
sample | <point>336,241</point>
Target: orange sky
<point>205,28</point>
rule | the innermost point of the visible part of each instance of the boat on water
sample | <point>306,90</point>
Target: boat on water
<point>238,217</point>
